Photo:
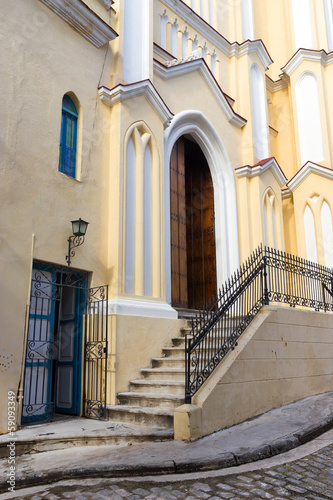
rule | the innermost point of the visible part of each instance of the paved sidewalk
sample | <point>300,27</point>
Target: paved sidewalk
<point>269,434</point>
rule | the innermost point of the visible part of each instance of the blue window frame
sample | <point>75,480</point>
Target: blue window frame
<point>68,136</point>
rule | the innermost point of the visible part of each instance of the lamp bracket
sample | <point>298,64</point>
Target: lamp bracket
<point>73,242</point>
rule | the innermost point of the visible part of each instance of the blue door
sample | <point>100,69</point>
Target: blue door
<point>53,366</point>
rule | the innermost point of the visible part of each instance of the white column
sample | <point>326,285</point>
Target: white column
<point>136,40</point>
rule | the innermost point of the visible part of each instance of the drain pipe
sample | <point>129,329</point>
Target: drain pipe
<point>19,396</point>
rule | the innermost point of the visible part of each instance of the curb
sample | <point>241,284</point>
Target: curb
<point>221,461</point>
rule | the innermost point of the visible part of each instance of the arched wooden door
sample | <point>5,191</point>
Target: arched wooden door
<point>193,255</point>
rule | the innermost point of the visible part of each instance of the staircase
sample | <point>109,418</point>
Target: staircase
<point>152,399</point>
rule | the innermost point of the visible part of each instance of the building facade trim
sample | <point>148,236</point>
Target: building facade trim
<point>261,167</point>
<point>306,170</point>
<point>122,92</point>
<point>83,20</point>
<point>229,49</point>
<point>131,307</point>
<point>178,68</point>
<point>320,56</point>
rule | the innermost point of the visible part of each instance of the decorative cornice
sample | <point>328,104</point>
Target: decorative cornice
<point>179,68</point>
<point>275,86</point>
<point>207,31</point>
<point>286,193</point>
<point>162,53</point>
<point>260,168</point>
<point>320,56</point>
<point>83,20</point>
<point>107,3</point>
<point>123,92</point>
<point>273,131</point>
<point>305,171</point>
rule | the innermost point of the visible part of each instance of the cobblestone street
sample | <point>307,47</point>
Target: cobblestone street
<point>310,477</point>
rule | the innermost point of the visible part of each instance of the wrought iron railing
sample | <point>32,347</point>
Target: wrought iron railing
<point>268,276</point>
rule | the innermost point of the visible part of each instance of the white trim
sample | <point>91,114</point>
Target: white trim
<point>106,3</point>
<point>129,307</point>
<point>196,124</point>
<point>275,86</point>
<point>180,67</point>
<point>271,165</point>
<point>286,193</point>
<point>273,131</point>
<point>301,55</point>
<point>210,34</point>
<point>121,93</point>
<point>163,53</point>
<point>306,170</point>
<point>83,20</point>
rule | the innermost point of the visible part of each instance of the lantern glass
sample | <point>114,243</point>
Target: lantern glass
<point>79,227</point>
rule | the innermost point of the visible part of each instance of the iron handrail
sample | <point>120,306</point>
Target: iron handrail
<point>268,276</point>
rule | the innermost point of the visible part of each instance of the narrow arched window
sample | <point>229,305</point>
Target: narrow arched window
<point>68,137</point>
<point>309,119</point>
<point>260,127</point>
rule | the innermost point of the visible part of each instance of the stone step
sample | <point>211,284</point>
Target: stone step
<point>76,432</point>
<point>171,374</point>
<point>141,416</point>
<point>151,400</point>
<point>171,362</point>
<point>157,386</point>
<point>175,351</point>
<point>178,341</point>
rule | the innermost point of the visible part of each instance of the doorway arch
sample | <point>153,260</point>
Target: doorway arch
<point>195,125</point>
<point>193,255</point>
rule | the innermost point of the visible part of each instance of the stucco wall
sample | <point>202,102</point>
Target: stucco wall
<point>284,355</point>
<point>135,341</point>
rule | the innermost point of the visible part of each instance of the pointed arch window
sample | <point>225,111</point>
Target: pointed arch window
<point>260,127</point>
<point>68,137</point>
<point>309,119</point>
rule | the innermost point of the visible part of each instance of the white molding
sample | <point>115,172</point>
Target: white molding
<point>83,20</point>
<point>275,86</point>
<point>159,51</point>
<point>271,164</point>
<point>286,193</point>
<point>273,131</point>
<point>121,93</point>
<point>131,307</point>
<point>301,55</point>
<point>106,3</point>
<point>230,49</point>
<point>180,67</point>
<point>306,170</point>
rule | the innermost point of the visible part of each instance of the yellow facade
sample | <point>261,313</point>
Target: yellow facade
<point>243,82</point>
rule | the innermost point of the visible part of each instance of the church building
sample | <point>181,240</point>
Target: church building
<point>159,159</point>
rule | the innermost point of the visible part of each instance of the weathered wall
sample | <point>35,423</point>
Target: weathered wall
<point>134,341</point>
<point>284,355</point>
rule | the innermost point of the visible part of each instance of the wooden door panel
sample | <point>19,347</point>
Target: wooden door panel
<point>200,229</point>
<point>178,226</point>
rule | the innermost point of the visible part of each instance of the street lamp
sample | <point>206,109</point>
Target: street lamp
<point>79,229</point>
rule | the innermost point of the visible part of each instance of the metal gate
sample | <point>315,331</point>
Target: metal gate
<point>96,349</point>
<point>63,315</point>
